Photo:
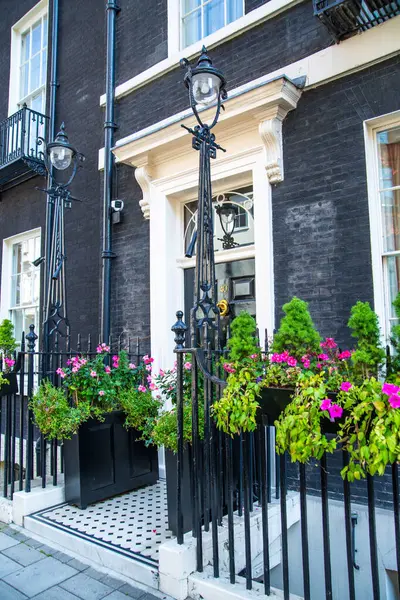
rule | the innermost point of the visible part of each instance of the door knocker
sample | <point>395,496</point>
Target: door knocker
<point>223,306</point>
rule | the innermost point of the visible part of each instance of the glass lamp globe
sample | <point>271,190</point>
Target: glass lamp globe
<point>227,214</point>
<point>60,157</point>
<point>205,88</point>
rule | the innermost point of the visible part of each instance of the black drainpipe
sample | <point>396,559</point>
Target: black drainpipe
<point>50,138</point>
<point>109,127</point>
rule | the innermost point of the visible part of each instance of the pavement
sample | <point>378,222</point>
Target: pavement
<point>30,569</point>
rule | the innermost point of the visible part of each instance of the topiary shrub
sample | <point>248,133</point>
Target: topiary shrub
<point>369,354</point>
<point>296,334</point>
<point>243,341</point>
<point>8,342</point>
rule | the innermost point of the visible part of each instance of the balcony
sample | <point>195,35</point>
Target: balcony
<point>21,156</point>
<point>344,18</point>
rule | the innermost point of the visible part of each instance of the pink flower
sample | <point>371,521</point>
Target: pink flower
<point>93,374</point>
<point>148,367</point>
<point>346,386</point>
<point>188,366</point>
<point>9,362</point>
<point>323,357</point>
<point>101,393</point>
<point>147,359</point>
<point>228,368</point>
<point>75,369</point>
<point>276,358</point>
<point>325,404</point>
<point>69,361</point>
<point>161,373</point>
<point>102,348</point>
<point>336,411</point>
<point>115,358</point>
<point>328,343</point>
<point>345,354</point>
<point>61,373</point>
<point>319,365</point>
<point>254,356</point>
<point>389,389</point>
<point>292,362</point>
<point>153,387</point>
<point>99,349</point>
<point>149,378</point>
<point>306,364</point>
<point>132,366</point>
<point>304,358</point>
<point>107,369</point>
<point>394,401</point>
<point>142,388</point>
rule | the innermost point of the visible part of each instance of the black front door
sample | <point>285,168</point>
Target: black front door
<point>235,285</point>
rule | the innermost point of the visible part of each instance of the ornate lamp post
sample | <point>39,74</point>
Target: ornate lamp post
<point>206,86</point>
<point>59,156</point>
<point>227,213</point>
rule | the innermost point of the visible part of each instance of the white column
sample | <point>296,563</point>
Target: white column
<point>264,258</point>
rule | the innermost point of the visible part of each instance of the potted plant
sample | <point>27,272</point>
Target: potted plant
<point>103,413</point>
<point>8,345</point>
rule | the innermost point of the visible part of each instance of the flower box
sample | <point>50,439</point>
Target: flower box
<point>105,459</point>
<point>11,387</point>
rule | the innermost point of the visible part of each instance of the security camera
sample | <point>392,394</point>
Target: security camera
<point>38,261</point>
<point>117,205</point>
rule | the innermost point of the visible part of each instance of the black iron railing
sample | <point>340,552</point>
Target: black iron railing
<point>346,17</point>
<point>19,136</point>
<point>341,529</point>
<point>27,458</point>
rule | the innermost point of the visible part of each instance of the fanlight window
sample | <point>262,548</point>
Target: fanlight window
<point>243,230</point>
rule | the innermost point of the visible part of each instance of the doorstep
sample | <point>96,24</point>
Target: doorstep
<point>122,533</point>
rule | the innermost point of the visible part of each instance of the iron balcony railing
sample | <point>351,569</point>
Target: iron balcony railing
<point>20,150</point>
<point>347,17</point>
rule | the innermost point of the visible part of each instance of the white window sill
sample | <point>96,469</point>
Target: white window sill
<point>253,18</point>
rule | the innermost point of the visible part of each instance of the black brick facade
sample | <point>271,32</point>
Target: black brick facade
<point>250,5</point>
<point>275,43</point>
<point>322,249</point>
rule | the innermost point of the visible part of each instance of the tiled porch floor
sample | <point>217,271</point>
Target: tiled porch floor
<point>134,524</point>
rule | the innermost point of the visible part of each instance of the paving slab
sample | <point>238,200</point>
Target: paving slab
<point>116,595</point>
<point>86,587</point>
<point>40,576</point>
<point>7,566</point>
<point>131,592</point>
<point>23,554</point>
<point>55,593</point>
<point>77,564</point>
<point>9,593</point>
<point>7,541</point>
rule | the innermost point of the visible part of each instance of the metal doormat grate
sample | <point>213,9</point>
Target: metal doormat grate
<point>134,524</point>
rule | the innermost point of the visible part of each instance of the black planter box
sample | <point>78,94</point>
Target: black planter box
<point>104,459</point>
<point>11,387</point>
<point>273,402</point>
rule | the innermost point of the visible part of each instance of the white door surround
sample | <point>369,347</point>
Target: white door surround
<point>167,169</point>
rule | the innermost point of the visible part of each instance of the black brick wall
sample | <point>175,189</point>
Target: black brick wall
<point>142,36</point>
<point>130,269</point>
<point>277,42</point>
<point>320,211</point>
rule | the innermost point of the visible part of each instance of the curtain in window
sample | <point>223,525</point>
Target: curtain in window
<point>393,163</point>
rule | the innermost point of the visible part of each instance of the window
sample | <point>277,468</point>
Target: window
<point>28,66</point>
<point>33,66</point>
<point>243,233</point>
<point>200,18</point>
<point>21,282</point>
<point>388,148</point>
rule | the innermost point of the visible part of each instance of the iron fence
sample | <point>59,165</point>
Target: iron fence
<point>23,450</point>
<point>236,482</point>
<point>19,135</point>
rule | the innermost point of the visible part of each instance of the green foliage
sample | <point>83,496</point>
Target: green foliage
<point>54,415</point>
<point>166,427</point>
<point>298,429</point>
<point>243,342</point>
<point>395,337</point>
<point>8,342</point>
<point>141,411</point>
<point>371,431</point>
<point>2,380</point>
<point>236,410</point>
<point>296,334</point>
<point>369,354</point>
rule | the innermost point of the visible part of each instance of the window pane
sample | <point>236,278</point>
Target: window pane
<point>234,10</point>
<point>389,157</point>
<point>393,276</point>
<point>36,103</point>
<point>213,16</point>
<point>390,202</point>
<point>189,5</point>
<point>44,45</point>
<point>35,73</point>
<point>36,38</point>
<point>191,28</point>
<point>24,80</point>
<point>25,47</point>
<point>44,65</point>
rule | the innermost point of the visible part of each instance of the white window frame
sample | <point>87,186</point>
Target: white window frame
<point>381,292</point>
<point>6,274</point>
<point>201,9</point>
<point>17,30</point>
